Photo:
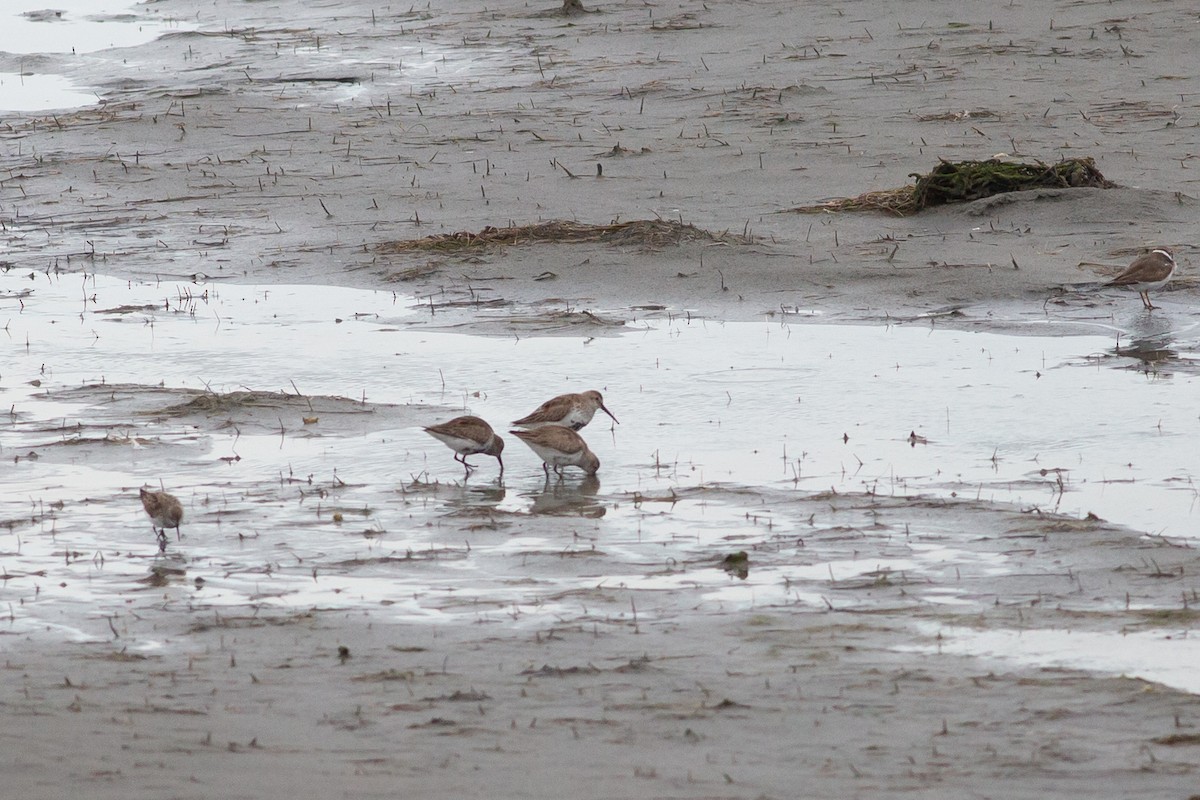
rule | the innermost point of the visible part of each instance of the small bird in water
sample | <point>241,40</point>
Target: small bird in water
<point>572,411</point>
<point>467,436</point>
<point>1148,271</point>
<point>165,511</point>
<point>559,447</point>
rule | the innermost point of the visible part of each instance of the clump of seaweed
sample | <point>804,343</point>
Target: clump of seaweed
<point>642,232</point>
<point>964,181</point>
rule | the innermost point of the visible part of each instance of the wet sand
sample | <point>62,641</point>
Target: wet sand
<point>255,150</point>
<point>280,143</point>
<point>633,693</point>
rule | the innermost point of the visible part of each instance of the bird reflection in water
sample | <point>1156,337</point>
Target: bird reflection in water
<point>569,498</point>
<point>1150,344</point>
<point>1151,352</point>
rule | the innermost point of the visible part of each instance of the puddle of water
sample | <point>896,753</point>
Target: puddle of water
<point>996,417</point>
<point>40,93</point>
<point>74,26</point>
<point>773,413</point>
<point>71,27</point>
<point>1162,656</point>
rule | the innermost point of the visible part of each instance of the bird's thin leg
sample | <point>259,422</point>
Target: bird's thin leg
<point>546,469</point>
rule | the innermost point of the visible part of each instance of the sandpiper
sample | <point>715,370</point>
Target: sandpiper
<point>467,436</point>
<point>559,447</point>
<point>165,511</point>
<point>567,410</point>
<point>1148,271</point>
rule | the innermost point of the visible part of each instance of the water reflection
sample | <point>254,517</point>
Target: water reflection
<point>489,494</point>
<point>166,570</point>
<point>464,498</point>
<point>564,497</point>
<point>1151,337</point>
<point>1154,353</point>
<point>717,421</point>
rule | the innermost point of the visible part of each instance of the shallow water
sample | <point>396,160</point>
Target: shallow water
<point>727,430</point>
<point>74,26</point>
<point>40,93</point>
<point>73,29</point>
<point>1165,656</point>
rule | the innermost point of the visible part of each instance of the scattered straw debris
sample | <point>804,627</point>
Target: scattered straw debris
<point>213,403</point>
<point>642,232</point>
<point>964,181</point>
<point>959,116</point>
<point>893,201</point>
<point>567,318</point>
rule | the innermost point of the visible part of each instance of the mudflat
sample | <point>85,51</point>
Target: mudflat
<point>654,157</point>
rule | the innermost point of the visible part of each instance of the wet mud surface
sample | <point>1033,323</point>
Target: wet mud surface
<point>947,547</point>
